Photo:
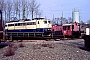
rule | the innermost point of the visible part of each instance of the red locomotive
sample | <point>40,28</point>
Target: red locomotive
<point>71,29</point>
<point>57,29</point>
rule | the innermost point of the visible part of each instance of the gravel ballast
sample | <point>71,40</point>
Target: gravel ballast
<point>51,51</point>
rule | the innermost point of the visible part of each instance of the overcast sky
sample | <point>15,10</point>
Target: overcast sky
<point>50,7</point>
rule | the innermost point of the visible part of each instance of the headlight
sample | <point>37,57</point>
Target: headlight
<point>49,29</point>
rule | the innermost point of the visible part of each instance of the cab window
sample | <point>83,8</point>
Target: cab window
<point>64,27</point>
<point>72,26</point>
<point>10,24</point>
<point>19,24</point>
<point>5,25</point>
<point>16,24</point>
<point>68,27</point>
<point>38,22</point>
<point>31,23</point>
<point>45,22</point>
<point>49,22</point>
<point>34,23</point>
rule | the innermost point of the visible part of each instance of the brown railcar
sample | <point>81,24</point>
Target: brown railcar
<point>1,26</point>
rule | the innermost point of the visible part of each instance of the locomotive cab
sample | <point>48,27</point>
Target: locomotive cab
<point>67,30</point>
<point>43,26</point>
<point>71,30</point>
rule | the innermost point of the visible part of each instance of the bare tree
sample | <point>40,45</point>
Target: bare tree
<point>27,8</point>
<point>34,6</point>
<point>69,19</point>
<point>82,22</point>
<point>22,8</point>
<point>23,2</point>
<point>9,9</point>
<point>38,13</point>
<point>17,8</point>
<point>5,10</point>
<point>1,4</point>
<point>64,21</point>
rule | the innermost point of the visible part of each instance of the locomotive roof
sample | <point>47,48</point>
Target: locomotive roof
<point>23,21</point>
<point>38,18</point>
<point>66,24</point>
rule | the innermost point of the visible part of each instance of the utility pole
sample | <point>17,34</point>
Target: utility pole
<point>61,17</point>
<point>62,14</point>
<point>32,13</point>
<point>45,17</point>
<point>53,19</point>
<point>23,10</point>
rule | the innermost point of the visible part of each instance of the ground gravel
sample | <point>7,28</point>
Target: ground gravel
<point>57,51</point>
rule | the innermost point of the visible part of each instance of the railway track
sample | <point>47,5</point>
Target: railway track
<point>39,40</point>
<point>38,37</point>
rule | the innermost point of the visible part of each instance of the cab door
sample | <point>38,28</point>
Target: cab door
<point>37,26</point>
